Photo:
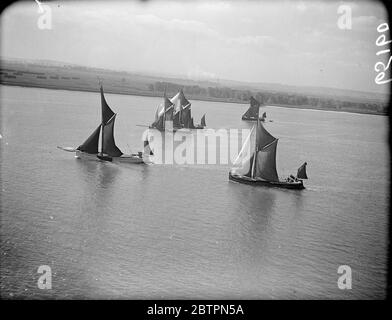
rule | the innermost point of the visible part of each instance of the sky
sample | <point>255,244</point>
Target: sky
<point>287,42</point>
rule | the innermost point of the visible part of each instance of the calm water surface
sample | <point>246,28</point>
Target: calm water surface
<point>161,231</point>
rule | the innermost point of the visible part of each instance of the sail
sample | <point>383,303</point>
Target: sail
<point>184,101</point>
<point>147,149</point>
<point>264,115</point>
<point>243,163</point>
<point>263,137</point>
<point>191,124</point>
<point>109,145</point>
<point>186,118</point>
<point>157,113</point>
<point>159,124</point>
<point>176,120</point>
<point>181,110</point>
<point>107,113</point>
<point>253,111</point>
<point>168,109</point>
<point>91,143</point>
<point>203,121</point>
<point>301,173</point>
<point>265,166</point>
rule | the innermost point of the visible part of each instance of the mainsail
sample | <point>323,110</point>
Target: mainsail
<point>243,163</point>
<point>109,146</point>
<point>265,164</point>
<point>168,109</point>
<point>253,111</point>
<point>182,111</point>
<point>301,173</point>
<point>203,121</point>
<point>91,143</point>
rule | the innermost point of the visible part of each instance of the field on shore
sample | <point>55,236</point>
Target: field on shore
<point>72,77</point>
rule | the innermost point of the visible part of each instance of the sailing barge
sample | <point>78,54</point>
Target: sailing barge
<point>256,165</point>
<point>175,114</point>
<point>252,114</point>
<point>109,151</point>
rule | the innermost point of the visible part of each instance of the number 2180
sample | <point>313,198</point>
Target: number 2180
<point>381,41</point>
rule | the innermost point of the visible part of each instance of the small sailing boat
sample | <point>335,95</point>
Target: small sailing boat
<point>257,165</point>
<point>109,151</point>
<point>263,117</point>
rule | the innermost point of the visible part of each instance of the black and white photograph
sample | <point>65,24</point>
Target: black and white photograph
<point>194,150</point>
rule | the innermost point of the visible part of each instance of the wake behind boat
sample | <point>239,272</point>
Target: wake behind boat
<point>109,151</point>
<point>258,167</point>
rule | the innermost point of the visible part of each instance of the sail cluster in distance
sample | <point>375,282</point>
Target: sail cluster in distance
<point>175,113</point>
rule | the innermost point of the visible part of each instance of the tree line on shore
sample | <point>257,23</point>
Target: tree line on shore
<point>269,97</point>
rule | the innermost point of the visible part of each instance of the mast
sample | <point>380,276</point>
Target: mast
<point>255,152</point>
<point>256,142</point>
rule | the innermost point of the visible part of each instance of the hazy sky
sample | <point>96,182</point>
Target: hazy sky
<point>287,42</point>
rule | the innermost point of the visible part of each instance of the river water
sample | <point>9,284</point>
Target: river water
<point>160,231</point>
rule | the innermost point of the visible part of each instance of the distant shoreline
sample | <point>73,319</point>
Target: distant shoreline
<point>159,95</point>
<point>85,79</point>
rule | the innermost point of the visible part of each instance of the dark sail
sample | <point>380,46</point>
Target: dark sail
<point>253,111</point>
<point>263,137</point>
<point>186,117</point>
<point>203,121</point>
<point>107,113</point>
<point>249,173</point>
<point>91,144</point>
<point>183,101</point>
<point>176,120</point>
<point>168,109</point>
<point>191,124</point>
<point>265,166</point>
<point>159,124</point>
<point>301,173</point>
<point>109,145</point>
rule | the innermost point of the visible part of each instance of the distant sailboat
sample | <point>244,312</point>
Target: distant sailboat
<point>256,164</point>
<point>252,114</point>
<point>109,151</point>
<point>174,114</point>
<point>263,117</point>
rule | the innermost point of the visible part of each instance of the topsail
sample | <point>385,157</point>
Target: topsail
<point>107,113</point>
